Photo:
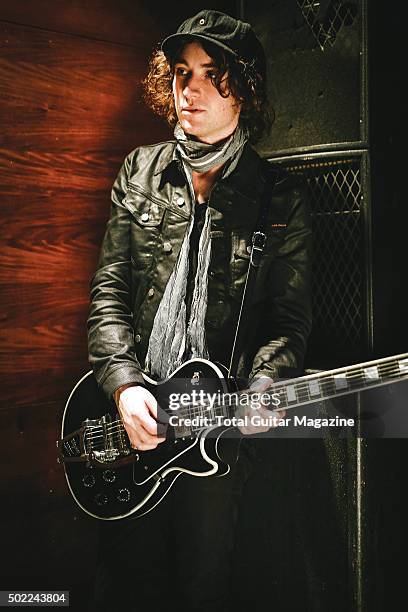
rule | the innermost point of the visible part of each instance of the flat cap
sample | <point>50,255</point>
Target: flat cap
<point>233,35</point>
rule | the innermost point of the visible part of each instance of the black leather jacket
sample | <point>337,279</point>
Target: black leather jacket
<point>151,206</point>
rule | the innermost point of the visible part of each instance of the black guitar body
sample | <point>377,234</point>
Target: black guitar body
<point>107,478</point>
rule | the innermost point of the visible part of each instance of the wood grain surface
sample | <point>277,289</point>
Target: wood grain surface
<point>129,22</point>
<point>70,110</point>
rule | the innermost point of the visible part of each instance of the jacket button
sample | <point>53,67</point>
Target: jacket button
<point>150,293</point>
<point>249,249</point>
<point>138,338</point>
<point>167,248</point>
<point>144,217</point>
<point>180,201</point>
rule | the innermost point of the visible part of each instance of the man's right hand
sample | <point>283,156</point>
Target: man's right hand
<point>139,413</point>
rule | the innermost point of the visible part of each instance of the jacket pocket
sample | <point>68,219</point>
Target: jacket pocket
<point>146,212</point>
<point>145,228</point>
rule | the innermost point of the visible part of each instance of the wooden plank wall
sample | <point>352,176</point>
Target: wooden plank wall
<point>70,110</point>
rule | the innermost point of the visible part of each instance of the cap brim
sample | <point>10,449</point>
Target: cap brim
<point>171,43</point>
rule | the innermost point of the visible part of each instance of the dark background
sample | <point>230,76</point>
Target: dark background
<point>70,110</point>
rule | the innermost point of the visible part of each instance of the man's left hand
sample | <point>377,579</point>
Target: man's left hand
<point>259,415</point>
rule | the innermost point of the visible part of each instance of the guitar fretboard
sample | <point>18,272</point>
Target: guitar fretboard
<point>295,392</point>
<point>312,388</point>
<point>341,381</point>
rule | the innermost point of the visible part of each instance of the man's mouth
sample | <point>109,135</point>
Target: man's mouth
<point>190,111</point>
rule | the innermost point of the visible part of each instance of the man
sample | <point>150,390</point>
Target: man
<point>169,286</point>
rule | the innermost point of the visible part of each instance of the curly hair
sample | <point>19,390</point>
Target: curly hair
<point>245,81</point>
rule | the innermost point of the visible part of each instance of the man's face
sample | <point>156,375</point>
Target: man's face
<point>201,110</point>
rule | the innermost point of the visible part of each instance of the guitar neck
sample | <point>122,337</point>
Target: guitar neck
<point>295,392</point>
<point>341,381</point>
<point>300,391</point>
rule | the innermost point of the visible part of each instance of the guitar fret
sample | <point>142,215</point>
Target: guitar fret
<point>356,378</point>
<point>303,393</point>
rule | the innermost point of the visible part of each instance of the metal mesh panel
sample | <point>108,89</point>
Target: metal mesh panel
<point>339,289</point>
<point>325,19</point>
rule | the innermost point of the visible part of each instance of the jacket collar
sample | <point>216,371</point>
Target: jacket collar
<point>242,179</point>
<point>238,195</point>
<point>168,157</point>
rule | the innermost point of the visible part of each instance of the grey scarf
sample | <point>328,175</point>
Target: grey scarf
<point>173,339</point>
<point>200,156</point>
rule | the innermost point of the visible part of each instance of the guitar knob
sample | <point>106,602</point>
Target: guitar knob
<point>88,480</point>
<point>109,476</point>
<point>101,499</point>
<point>124,495</point>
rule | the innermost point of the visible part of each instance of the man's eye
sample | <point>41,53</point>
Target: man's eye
<point>181,71</point>
<point>212,74</point>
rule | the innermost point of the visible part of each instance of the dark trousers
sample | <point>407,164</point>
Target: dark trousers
<point>179,554</point>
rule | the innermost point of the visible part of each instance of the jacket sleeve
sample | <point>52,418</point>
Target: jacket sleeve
<point>110,323</point>
<point>288,318</point>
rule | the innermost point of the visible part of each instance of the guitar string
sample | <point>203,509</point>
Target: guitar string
<point>300,388</point>
<point>324,380</point>
<point>192,408</point>
<point>117,427</point>
<point>389,371</point>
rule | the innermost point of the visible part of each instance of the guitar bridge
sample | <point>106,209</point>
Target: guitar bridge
<point>98,440</point>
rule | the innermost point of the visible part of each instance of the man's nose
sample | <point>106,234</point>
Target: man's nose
<point>191,86</point>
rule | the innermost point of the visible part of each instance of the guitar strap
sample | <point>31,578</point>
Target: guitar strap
<point>268,175</point>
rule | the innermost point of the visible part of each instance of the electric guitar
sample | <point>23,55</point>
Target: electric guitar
<point>110,480</point>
